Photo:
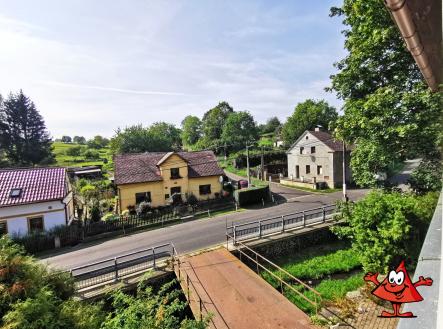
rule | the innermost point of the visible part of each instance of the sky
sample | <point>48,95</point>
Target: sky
<point>91,66</point>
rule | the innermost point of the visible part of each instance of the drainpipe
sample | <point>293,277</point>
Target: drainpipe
<point>402,15</point>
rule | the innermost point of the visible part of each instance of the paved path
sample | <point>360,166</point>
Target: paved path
<point>236,296</point>
<point>188,236</point>
<point>401,179</point>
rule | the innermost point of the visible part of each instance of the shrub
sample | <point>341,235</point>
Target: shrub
<point>192,199</point>
<point>385,227</point>
<point>110,217</point>
<point>74,151</point>
<point>251,195</point>
<point>143,208</point>
<point>91,154</point>
<point>427,177</point>
<point>95,212</point>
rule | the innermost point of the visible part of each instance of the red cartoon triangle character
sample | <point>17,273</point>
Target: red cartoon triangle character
<point>397,288</point>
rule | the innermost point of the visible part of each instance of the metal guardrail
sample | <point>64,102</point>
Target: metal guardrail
<point>280,224</point>
<point>114,269</point>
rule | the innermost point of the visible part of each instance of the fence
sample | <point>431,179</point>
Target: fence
<point>280,224</point>
<point>114,269</point>
<point>73,234</point>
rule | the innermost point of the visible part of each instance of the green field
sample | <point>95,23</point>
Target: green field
<point>64,160</point>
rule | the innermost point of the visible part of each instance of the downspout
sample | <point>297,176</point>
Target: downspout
<point>402,15</point>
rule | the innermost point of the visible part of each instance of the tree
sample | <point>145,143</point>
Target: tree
<point>213,122</point>
<point>386,103</point>
<point>79,140</point>
<point>427,176</point>
<point>386,227</point>
<point>25,140</point>
<point>239,129</point>
<point>75,150</point>
<point>66,139</point>
<point>98,142</point>
<point>160,137</point>
<point>307,115</point>
<point>191,130</point>
<point>272,125</point>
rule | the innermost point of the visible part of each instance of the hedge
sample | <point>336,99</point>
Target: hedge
<point>252,195</point>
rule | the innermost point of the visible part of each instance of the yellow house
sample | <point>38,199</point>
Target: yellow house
<point>157,177</point>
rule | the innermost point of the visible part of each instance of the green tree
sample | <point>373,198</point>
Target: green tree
<point>427,176</point>
<point>79,140</point>
<point>25,140</point>
<point>385,227</point>
<point>98,142</point>
<point>213,122</point>
<point>191,130</point>
<point>272,125</point>
<point>66,139</point>
<point>386,103</point>
<point>239,128</point>
<point>75,150</point>
<point>306,116</point>
<point>160,137</point>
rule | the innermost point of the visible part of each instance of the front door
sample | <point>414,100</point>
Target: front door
<point>176,195</point>
<point>297,171</point>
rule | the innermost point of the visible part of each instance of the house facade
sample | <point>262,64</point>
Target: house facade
<point>316,159</point>
<point>34,199</point>
<point>159,177</point>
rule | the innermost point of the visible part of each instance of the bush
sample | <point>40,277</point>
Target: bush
<point>143,208</point>
<point>110,217</point>
<point>192,199</point>
<point>386,227</point>
<point>74,151</point>
<point>95,212</point>
<point>91,154</point>
<point>427,177</point>
<point>251,195</point>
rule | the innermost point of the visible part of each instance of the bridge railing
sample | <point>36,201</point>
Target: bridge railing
<point>113,269</point>
<point>280,224</point>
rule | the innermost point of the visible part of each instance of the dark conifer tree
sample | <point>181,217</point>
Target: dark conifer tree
<point>23,135</point>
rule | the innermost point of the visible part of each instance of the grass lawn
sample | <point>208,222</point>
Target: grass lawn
<point>321,263</point>
<point>64,160</point>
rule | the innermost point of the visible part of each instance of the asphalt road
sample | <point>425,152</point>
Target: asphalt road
<point>190,236</point>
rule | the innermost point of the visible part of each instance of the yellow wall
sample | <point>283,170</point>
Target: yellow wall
<point>159,189</point>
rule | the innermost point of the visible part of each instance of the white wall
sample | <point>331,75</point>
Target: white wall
<point>17,216</point>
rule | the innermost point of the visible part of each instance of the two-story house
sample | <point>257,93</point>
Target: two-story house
<point>34,199</point>
<point>316,160</point>
<point>156,177</point>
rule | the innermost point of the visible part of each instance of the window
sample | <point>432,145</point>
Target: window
<point>307,137</point>
<point>297,171</point>
<point>301,149</point>
<point>205,189</point>
<point>308,169</point>
<point>319,170</point>
<point>176,190</point>
<point>3,228</point>
<point>142,197</point>
<point>175,173</point>
<point>35,224</point>
<point>166,196</point>
<point>15,192</point>
<point>312,149</point>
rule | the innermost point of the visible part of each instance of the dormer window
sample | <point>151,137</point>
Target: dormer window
<point>15,192</point>
<point>175,173</point>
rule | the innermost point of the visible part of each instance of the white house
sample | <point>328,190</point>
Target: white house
<point>316,159</point>
<point>34,199</point>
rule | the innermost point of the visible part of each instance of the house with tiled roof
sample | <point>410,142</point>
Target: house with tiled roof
<point>34,199</point>
<point>315,160</point>
<point>163,177</point>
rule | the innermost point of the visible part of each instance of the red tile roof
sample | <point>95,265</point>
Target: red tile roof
<point>36,184</point>
<point>142,167</point>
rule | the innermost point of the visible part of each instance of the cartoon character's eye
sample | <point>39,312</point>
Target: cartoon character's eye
<point>400,278</point>
<point>392,276</point>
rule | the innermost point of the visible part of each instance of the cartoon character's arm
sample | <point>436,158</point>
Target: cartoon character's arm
<point>372,277</point>
<point>423,282</point>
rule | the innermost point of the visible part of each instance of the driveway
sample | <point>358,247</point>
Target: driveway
<point>188,236</point>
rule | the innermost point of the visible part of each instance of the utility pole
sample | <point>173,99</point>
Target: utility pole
<point>247,164</point>
<point>262,164</point>
<point>225,153</point>
<point>345,197</point>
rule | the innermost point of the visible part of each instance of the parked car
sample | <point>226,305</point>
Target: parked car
<point>242,183</point>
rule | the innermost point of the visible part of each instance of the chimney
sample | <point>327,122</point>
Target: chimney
<point>318,128</point>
